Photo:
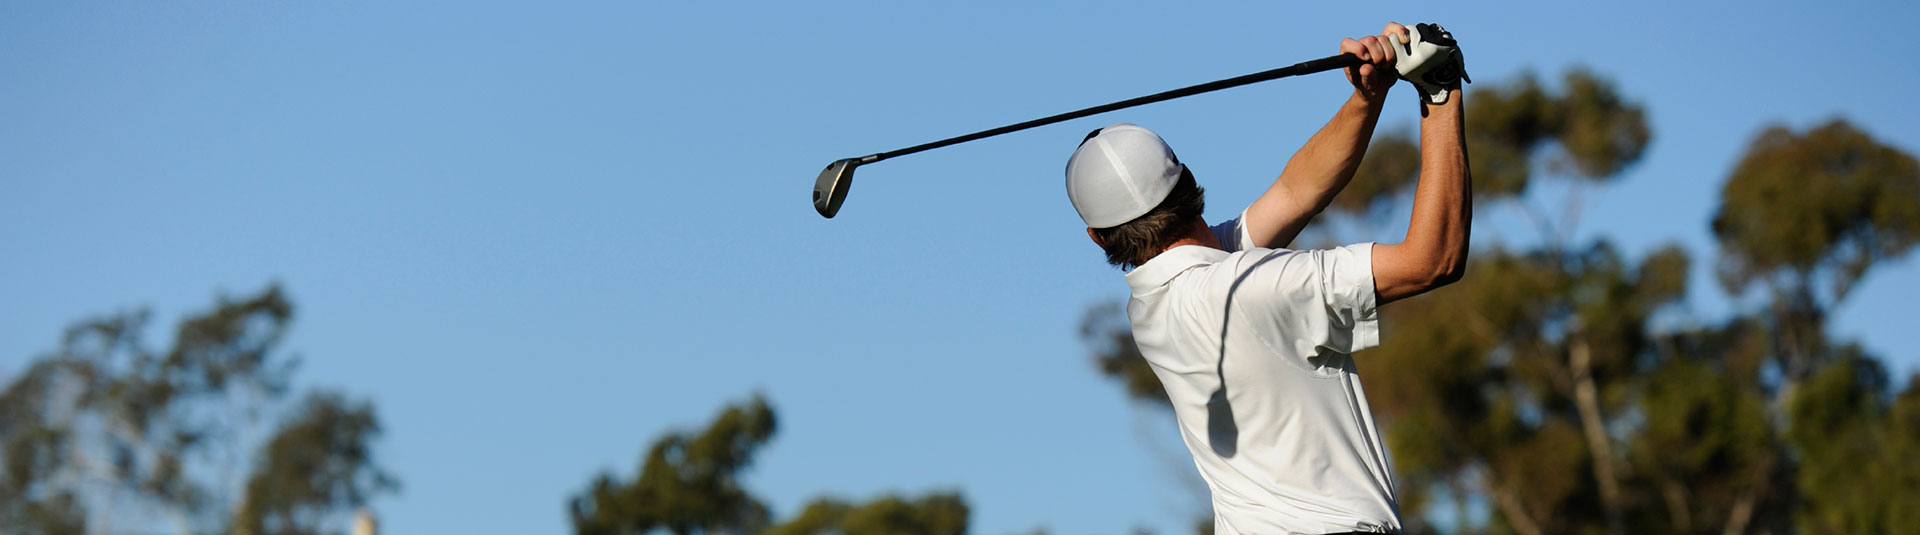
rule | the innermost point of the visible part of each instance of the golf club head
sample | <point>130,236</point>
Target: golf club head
<point>831,188</point>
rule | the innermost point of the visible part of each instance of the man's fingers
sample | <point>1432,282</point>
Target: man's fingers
<point>1396,36</point>
<point>1398,32</point>
<point>1376,49</point>
<point>1350,46</point>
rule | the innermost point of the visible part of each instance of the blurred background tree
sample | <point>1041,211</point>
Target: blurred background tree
<point>105,435</point>
<point>315,467</point>
<point>1544,394</point>
<point>1804,216</point>
<point>689,483</point>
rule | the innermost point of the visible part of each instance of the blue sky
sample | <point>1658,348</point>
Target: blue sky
<point>538,237</point>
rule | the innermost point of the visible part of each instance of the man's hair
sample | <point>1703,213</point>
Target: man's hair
<point>1133,243</point>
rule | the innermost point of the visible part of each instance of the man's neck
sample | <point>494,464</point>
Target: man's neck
<point>1200,234</point>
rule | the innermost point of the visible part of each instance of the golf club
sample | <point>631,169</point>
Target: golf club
<point>831,188</point>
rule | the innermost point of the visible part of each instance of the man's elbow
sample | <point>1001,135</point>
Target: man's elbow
<point>1447,271</point>
<point>1449,275</point>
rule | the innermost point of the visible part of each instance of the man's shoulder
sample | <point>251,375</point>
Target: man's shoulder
<point>1283,258</point>
<point>1219,277</point>
<point>1193,267</point>
<point>1279,272</point>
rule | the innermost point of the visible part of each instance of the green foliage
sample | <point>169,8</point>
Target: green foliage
<point>318,463</point>
<point>1600,132</point>
<point>1856,473</point>
<point>34,446</point>
<point>1708,444</point>
<point>1510,128</point>
<point>689,483</point>
<point>933,514</point>
<point>1830,200</point>
<point>1392,163</point>
<point>106,417</point>
<point>1505,125</point>
<point>1807,215</point>
<point>1901,476</point>
<point>1481,386</point>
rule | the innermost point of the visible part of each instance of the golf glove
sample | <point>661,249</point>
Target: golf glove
<point>1431,60</point>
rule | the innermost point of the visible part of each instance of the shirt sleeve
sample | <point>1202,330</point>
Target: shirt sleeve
<point>1232,234</point>
<point>1308,305</point>
<point>1346,279</point>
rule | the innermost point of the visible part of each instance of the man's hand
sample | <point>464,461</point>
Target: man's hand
<point>1431,60</point>
<point>1372,79</point>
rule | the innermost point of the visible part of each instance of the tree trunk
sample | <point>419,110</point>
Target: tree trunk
<point>1799,326</point>
<point>1742,513</point>
<point>1593,423</point>
<point>1511,508</point>
<point>1675,495</point>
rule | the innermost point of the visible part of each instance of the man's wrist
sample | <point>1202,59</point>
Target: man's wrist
<point>1360,102</point>
<point>1450,108</point>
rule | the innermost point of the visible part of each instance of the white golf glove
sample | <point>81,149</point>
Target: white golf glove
<point>1431,60</point>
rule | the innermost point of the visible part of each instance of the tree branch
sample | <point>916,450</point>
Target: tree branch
<point>1580,356</point>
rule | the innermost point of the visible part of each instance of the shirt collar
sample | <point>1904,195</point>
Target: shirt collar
<point>1170,263</point>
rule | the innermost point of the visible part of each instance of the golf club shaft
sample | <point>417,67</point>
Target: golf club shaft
<point>1306,67</point>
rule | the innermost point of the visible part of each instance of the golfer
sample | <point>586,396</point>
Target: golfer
<point>1253,341</point>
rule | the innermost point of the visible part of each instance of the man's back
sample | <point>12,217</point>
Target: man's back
<point>1253,350</point>
<point>1253,345</point>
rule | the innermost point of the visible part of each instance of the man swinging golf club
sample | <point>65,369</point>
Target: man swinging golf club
<point>1253,341</point>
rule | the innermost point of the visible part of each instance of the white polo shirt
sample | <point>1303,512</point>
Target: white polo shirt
<point>1286,442</point>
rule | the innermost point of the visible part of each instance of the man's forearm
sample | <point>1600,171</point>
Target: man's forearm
<point>1317,172</point>
<point>1443,202</point>
<point>1435,251</point>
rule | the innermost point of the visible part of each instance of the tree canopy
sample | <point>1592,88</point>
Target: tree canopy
<point>105,428</point>
<point>689,483</point>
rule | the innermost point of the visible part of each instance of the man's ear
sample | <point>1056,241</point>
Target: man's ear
<point>1096,238</point>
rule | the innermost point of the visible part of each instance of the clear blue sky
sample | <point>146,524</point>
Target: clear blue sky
<point>538,237</point>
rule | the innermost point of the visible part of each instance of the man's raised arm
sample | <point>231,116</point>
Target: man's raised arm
<point>1321,168</point>
<point>1435,251</point>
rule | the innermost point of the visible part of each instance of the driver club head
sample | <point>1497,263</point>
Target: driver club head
<point>831,188</point>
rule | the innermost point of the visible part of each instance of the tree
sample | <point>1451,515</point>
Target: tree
<point>1586,132</point>
<point>689,483</point>
<point>1805,216</point>
<point>1506,383</point>
<point>35,447</point>
<point>1708,449</point>
<point>316,465</point>
<point>943,513</point>
<point>1854,443</point>
<point>105,428</point>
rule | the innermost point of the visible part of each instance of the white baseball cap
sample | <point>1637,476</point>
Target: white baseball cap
<point>1119,173</point>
